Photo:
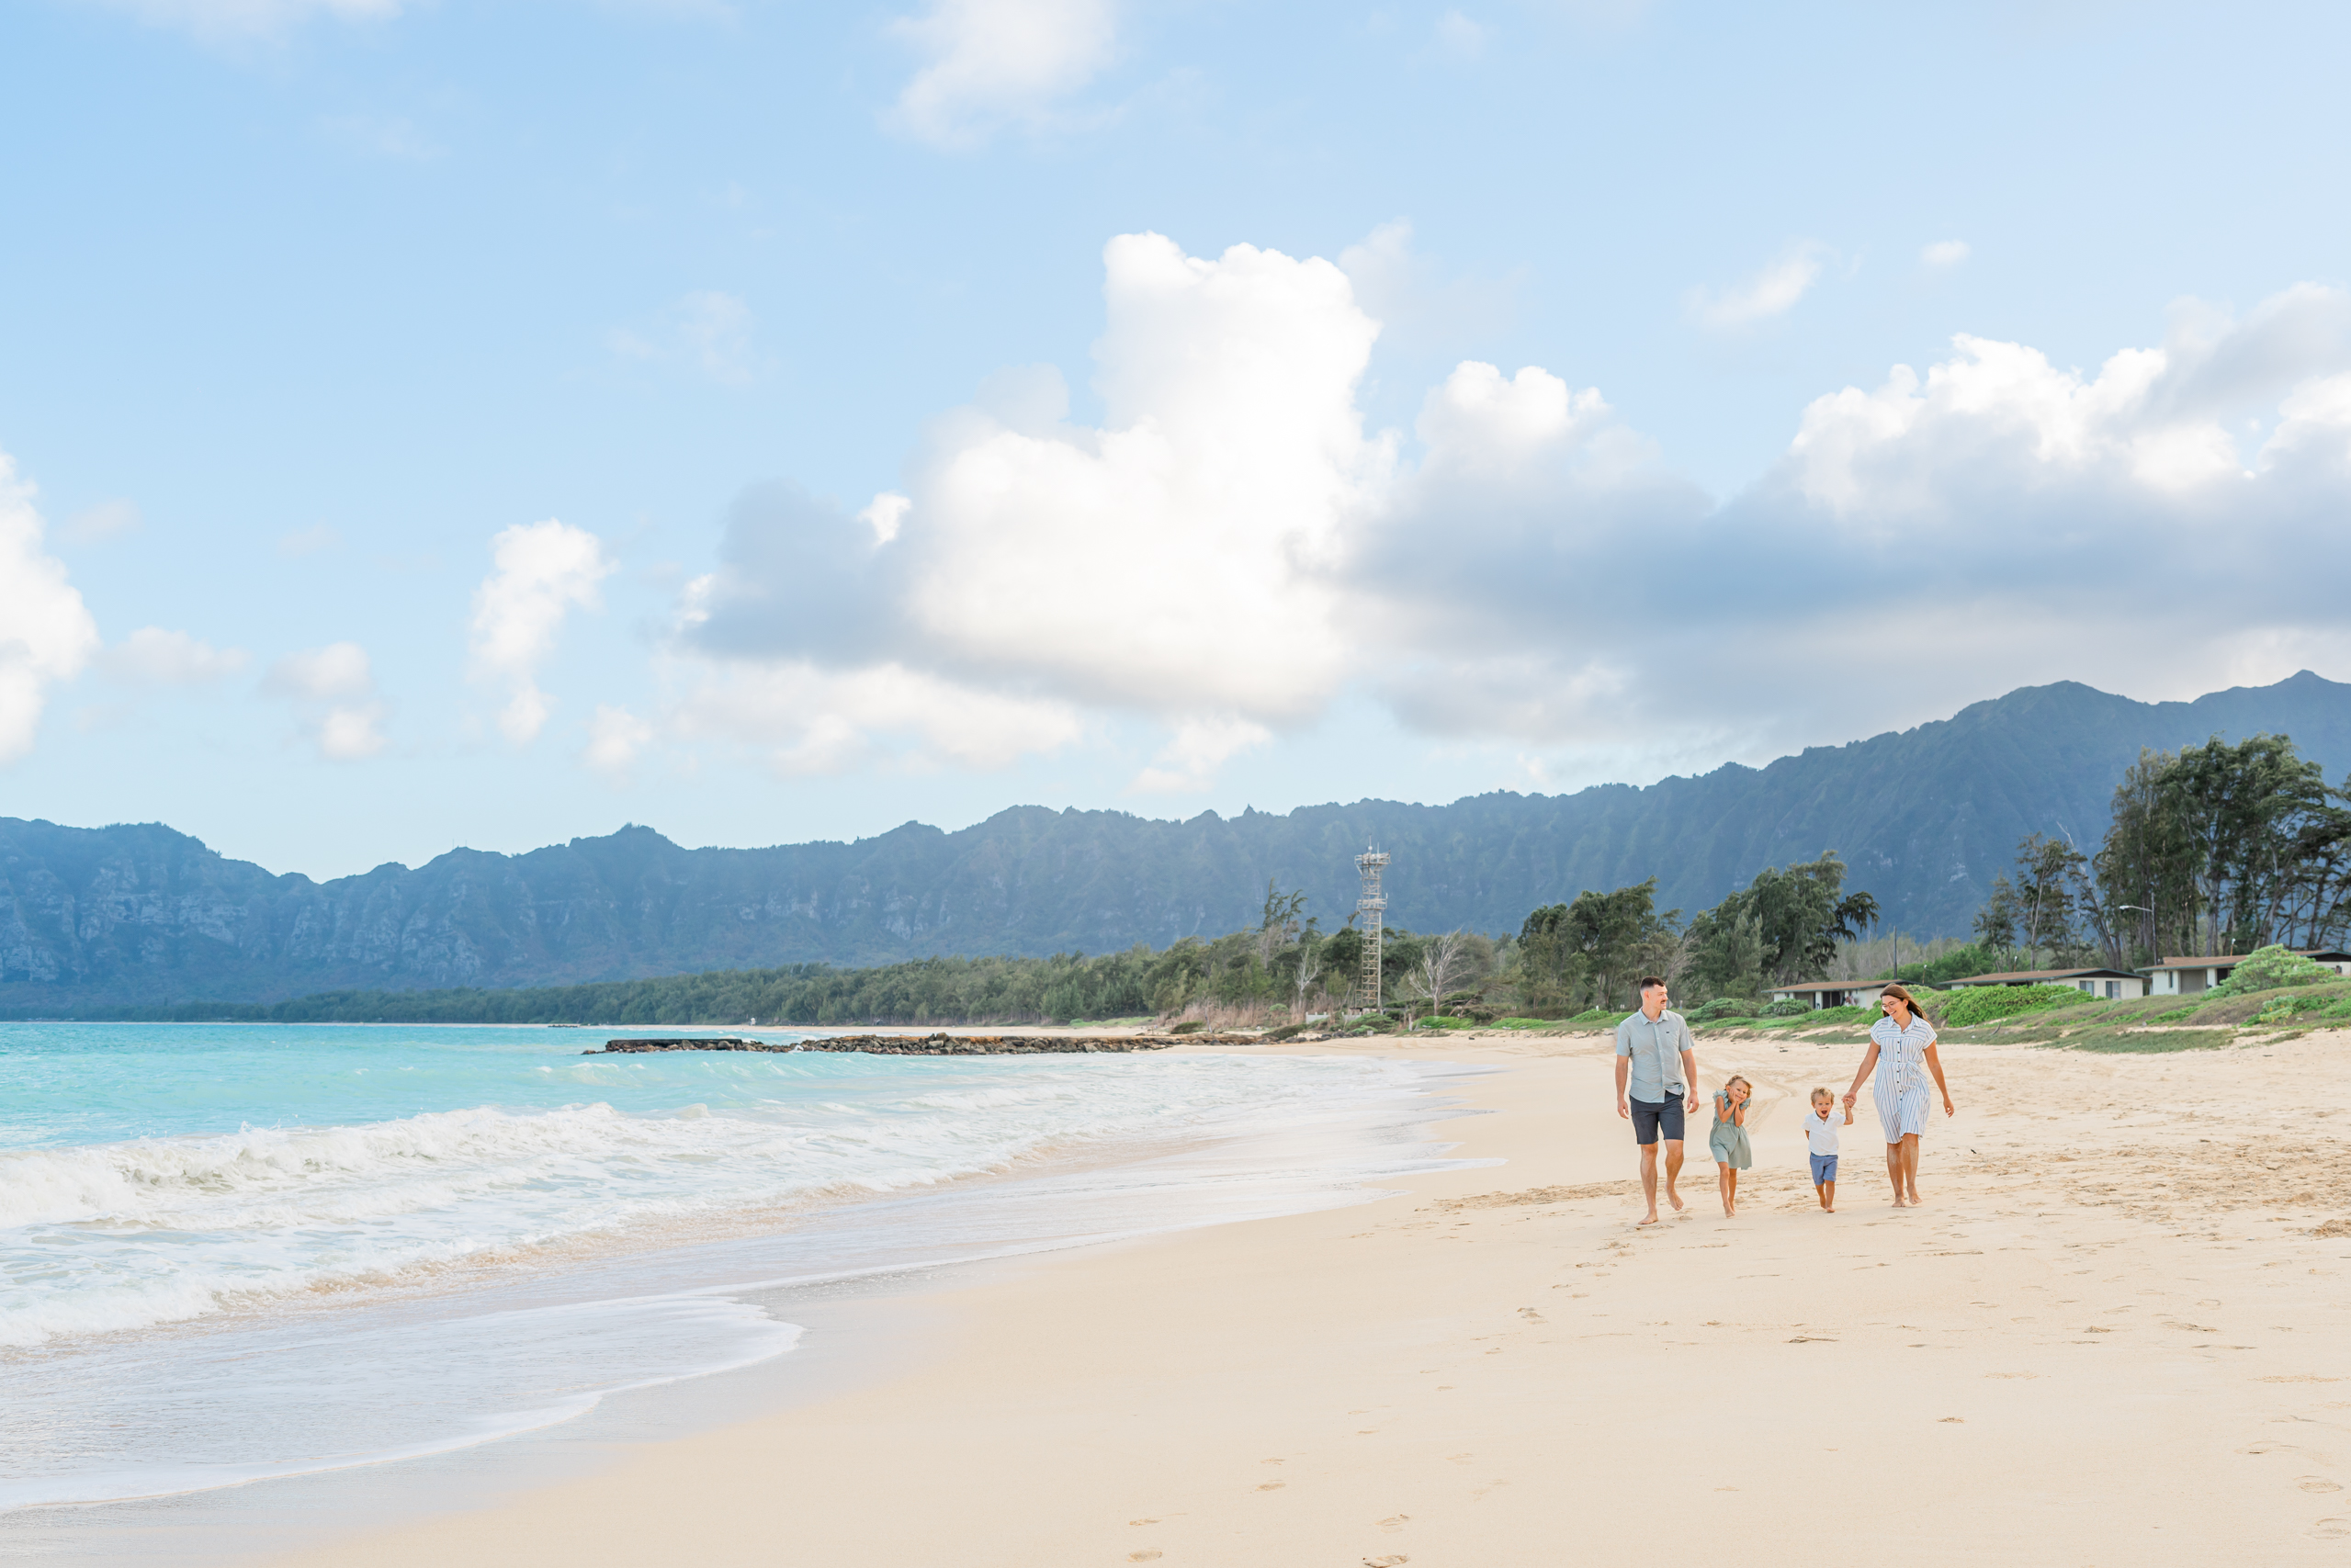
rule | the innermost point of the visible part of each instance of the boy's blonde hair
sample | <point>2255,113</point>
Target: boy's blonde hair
<point>1823,1094</point>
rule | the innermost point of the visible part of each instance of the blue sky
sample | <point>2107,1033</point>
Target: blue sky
<point>465,423</point>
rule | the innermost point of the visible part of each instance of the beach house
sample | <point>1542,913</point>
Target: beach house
<point>1832,993</point>
<point>2185,977</point>
<point>2111,983</point>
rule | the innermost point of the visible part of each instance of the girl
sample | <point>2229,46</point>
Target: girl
<point>1728,1141</point>
<point>1901,1049</point>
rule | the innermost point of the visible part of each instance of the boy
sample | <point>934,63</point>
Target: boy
<point>1820,1132</point>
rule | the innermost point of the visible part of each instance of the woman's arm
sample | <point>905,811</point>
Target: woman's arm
<point>1868,1062</point>
<point>1934,1066</point>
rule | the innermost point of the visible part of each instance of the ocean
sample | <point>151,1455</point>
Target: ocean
<point>234,1252</point>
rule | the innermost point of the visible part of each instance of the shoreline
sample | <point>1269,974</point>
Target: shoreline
<point>2118,1331</point>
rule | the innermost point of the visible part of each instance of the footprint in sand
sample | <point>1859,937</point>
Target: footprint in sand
<point>1272,1486</point>
<point>1141,1556</point>
<point>2317,1484</point>
<point>1396,1562</point>
<point>2337,1529</point>
<point>1142,1521</point>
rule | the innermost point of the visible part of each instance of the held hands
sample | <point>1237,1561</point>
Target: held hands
<point>1849,1099</point>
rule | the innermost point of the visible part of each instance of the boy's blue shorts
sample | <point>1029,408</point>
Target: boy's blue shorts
<point>1824,1169</point>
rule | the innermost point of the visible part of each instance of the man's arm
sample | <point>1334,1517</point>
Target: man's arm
<point>1623,1068</point>
<point>1689,1079</point>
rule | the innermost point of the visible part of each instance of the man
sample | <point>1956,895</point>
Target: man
<point>1656,1082</point>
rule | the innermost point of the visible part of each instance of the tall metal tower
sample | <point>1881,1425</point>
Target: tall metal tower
<point>1370,906</point>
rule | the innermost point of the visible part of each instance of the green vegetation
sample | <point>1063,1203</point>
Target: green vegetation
<point>2268,968</point>
<point>2213,849</point>
<point>1782,926</point>
<point>1594,949</point>
<point>1975,1005</point>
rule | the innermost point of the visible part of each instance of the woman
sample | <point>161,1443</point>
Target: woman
<point>1900,1044</point>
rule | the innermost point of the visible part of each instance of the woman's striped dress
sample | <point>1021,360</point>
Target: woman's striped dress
<point>1901,1075</point>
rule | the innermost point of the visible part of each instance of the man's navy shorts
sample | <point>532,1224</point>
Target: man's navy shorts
<point>1648,1120</point>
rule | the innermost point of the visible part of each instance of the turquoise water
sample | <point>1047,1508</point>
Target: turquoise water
<point>234,1251</point>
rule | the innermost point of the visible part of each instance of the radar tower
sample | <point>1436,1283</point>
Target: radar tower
<point>1370,907</point>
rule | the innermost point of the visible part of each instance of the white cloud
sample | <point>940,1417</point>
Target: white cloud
<point>1772,292</point>
<point>884,515</point>
<point>335,689</point>
<point>1188,764</point>
<point>804,719</point>
<point>616,736</point>
<point>107,520</point>
<point>1231,551</point>
<point>543,569</point>
<point>707,330</point>
<point>224,19</point>
<point>155,657</point>
<point>309,541</point>
<point>46,632</point>
<point>1415,306</point>
<point>1456,34</point>
<point>988,64</point>
<point>1943,254</point>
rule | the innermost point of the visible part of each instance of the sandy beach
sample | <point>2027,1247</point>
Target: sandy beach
<point>2118,1333</point>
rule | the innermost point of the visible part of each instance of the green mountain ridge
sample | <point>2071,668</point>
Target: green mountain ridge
<point>142,914</point>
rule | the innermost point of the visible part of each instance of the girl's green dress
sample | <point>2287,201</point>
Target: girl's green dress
<point>1728,1141</point>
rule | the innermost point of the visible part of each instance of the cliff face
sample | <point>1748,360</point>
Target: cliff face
<point>1926,817</point>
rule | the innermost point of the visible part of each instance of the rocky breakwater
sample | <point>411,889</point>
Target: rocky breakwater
<point>915,1046</point>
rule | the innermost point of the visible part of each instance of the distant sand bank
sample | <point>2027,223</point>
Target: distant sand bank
<point>2119,1332</point>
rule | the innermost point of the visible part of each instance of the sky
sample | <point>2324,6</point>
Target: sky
<point>454,423</point>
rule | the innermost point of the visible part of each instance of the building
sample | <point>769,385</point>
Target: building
<point>2111,983</point>
<point>2185,977</point>
<point>1832,993</point>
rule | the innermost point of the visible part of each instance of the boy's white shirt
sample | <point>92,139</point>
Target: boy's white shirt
<point>1820,1130</point>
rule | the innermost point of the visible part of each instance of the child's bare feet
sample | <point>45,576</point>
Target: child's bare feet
<point>1650,1221</point>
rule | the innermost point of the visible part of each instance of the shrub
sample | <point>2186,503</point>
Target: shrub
<point>1523,1022</point>
<point>2266,968</point>
<point>1973,1005</point>
<point>1786,1007</point>
<point>1189,1026</point>
<point>1722,1008</point>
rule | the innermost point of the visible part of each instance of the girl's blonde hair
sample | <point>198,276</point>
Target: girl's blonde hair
<point>1736,1078</point>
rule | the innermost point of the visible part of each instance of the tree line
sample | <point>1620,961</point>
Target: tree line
<point>2211,849</point>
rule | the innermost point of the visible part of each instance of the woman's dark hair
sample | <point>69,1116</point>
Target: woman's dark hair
<point>1902,993</point>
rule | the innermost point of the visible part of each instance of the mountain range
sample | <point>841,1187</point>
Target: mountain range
<point>142,914</point>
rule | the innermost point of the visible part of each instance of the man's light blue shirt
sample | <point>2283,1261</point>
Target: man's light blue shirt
<point>1655,1049</point>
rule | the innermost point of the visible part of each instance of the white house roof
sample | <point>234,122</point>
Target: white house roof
<point>2033,976</point>
<point>2231,960</point>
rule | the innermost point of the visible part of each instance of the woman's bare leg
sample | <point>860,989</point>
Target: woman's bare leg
<point>1910,1147</point>
<point>1894,1171</point>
